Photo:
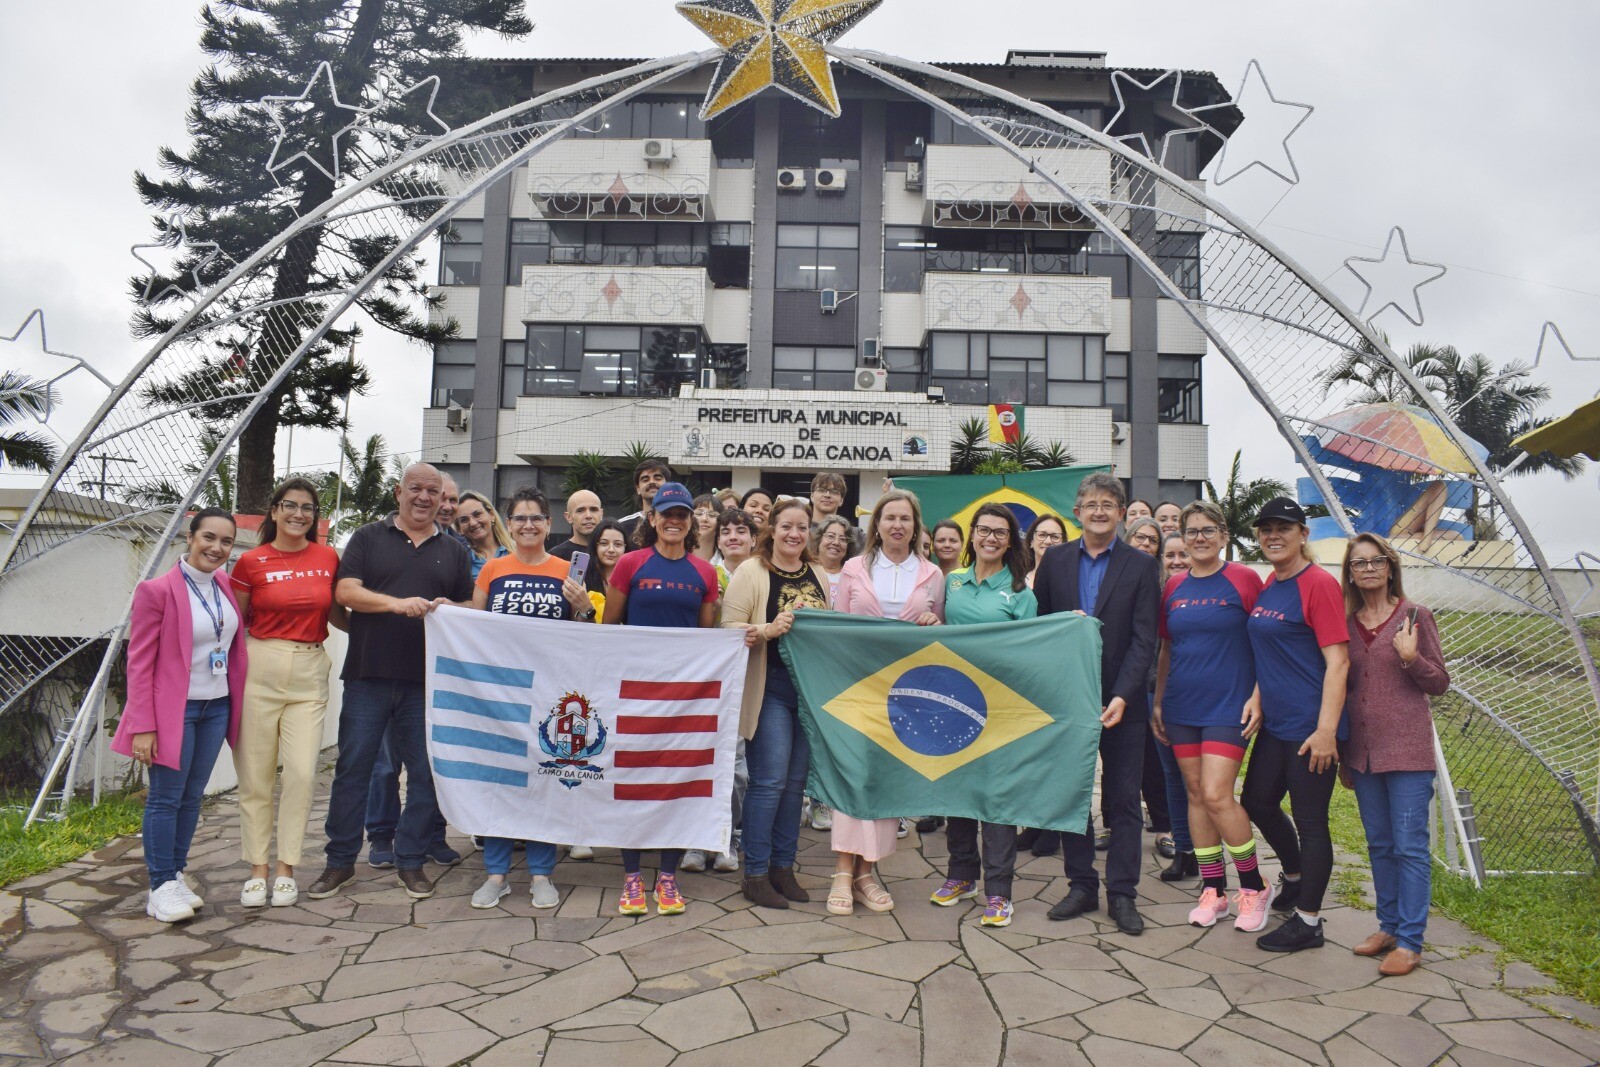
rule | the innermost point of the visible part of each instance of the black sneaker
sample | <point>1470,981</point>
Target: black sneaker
<point>380,854</point>
<point>1294,935</point>
<point>1287,895</point>
<point>929,823</point>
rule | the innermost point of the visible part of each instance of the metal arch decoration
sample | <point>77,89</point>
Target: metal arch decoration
<point>394,138</point>
<point>1582,560</point>
<point>1545,331</point>
<point>78,363</point>
<point>176,223</point>
<point>1221,176</point>
<point>1121,80</point>
<point>1434,272</point>
<point>276,105</point>
<point>780,43</point>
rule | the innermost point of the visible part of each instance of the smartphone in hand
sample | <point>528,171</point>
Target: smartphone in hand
<point>1411,617</point>
<point>579,571</point>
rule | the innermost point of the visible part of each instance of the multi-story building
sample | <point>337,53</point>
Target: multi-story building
<point>776,292</point>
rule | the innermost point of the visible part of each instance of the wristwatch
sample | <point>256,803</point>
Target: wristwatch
<point>587,616</point>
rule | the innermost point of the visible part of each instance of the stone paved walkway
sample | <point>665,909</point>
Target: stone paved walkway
<point>369,977</point>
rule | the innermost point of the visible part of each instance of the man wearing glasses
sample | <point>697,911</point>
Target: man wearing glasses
<point>1101,576</point>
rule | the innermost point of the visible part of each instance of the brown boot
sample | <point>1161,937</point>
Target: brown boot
<point>1375,944</point>
<point>783,880</point>
<point>763,894</point>
<point>1401,961</point>
<point>329,882</point>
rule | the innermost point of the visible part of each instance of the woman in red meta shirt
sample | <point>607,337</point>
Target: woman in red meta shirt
<point>285,592</point>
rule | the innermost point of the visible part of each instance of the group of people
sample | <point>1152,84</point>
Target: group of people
<point>1201,659</point>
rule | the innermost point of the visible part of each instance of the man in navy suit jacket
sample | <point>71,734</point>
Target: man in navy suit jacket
<point>1099,575</point>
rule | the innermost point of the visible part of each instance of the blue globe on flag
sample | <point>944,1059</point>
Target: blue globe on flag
<point>936,710</point>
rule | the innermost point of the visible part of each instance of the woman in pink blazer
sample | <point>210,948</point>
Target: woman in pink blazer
<point>891,581</point>
<point>186,671</point>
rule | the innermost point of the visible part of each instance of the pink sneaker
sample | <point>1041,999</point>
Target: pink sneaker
<point>1213,906</point>
<point>1253,913</point>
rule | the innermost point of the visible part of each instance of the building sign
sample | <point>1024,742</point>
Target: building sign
<point>726,429</point>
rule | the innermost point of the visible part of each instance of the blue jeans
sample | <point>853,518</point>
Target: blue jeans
<point>1177,798</point>
<point>383,800</point>
<point>371,707</point>
<point>633,860</point>
<point>779,757</point>
<point>497,856</point>
<point>1394,812</point>
<point>172,808</point>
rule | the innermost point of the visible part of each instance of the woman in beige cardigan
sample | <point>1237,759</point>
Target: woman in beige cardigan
<point>762,597</point>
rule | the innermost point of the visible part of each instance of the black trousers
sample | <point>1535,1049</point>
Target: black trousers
<point>1121,772</point>
<point>1153,785</point>
<point>999,854</point>
<point>1277,771</point>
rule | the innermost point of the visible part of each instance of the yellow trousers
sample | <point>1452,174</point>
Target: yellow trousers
<point>285,700</point>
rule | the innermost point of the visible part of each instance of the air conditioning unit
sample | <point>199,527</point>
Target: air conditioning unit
<point>455,419</point>
<point>1119,432</point>
<point>658,151</point>
<point>914,177</point>
<point>708,378</point>
<point>871,380</point>
<point>791,180</point>
<point>871,354</point>
<point>830,181</point>
<point>830,301</point>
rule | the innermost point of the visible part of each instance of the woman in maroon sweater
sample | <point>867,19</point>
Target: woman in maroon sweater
<point>1395,665</point>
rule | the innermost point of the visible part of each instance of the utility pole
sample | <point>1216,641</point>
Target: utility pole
<point>338,481</point>
<point>104,461</point>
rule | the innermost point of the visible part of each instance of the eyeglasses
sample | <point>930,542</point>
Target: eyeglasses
<point>528,520</point>
<point>1048,538</point>
<point>990,533</point>
<point>1207,532</point>
<point>1377,563</point>
<point>292,508</point>
<point>1098,508</point>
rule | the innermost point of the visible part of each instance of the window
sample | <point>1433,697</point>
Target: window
<point>809,138</point>
<point>1066,370</point>
<point>903,259</point>
<point>674,117</point>
<point>908,371</point>
<point>513,361</point>
<point>529,247</point>
<point>733,138</point>
<point>1104,260</point>
<point>628,244</point>
<point>454,371</point>
<point>1178,384</point>
<point>1178,256</point>
<point>817,257</point>
<point>904,122</point>
<point>461,252</point>
<point>1117,386</point>
<point>729,259</point>
<point>609,360</point>
<point>813,368</point>
<point>909,251</point>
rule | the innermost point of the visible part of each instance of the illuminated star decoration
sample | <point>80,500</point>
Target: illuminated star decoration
<point>175,224</point>
<point>77,363</point>
<point>305,141</point>
<point>1391,279</point>
<point>399,123</point>
<point>1254,87</point>
<point>1544,332</point>
<point>1138,140</point>
<point>774,42</point>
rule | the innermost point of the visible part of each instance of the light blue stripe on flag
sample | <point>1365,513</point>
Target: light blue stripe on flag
<point>478,772</point>
<point>483,672</point>
<point>461,736</point>
<point>502,710</point>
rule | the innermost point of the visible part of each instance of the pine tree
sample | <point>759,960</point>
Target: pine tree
<point>219,203</point>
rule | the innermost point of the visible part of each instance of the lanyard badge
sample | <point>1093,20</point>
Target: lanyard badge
<point>219,655</point>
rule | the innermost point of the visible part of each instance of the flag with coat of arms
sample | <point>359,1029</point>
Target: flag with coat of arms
<point>611,736</point>
<point>998,722</point>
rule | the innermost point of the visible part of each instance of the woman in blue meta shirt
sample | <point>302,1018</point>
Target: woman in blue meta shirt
<point>1205,681</point>
<point>992,587</point>
<point>1302,651</point>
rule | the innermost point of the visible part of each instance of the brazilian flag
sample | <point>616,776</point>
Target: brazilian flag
<point>1028,495</point>
<point>998,722</point>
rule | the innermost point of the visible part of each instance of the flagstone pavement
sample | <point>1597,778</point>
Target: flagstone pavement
<point>371,977</point>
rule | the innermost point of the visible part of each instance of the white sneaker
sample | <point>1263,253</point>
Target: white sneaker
<point>581,853</point>
<point>726,861</point>
<point>187,884</point>
<point>254,894</point>
<point>821,816</point>
<point>903,829</point>
<point>694,861</point>
<point>544,892</point>
<point>168,903</point>
<point>490,892</point>
<point>284,891</point>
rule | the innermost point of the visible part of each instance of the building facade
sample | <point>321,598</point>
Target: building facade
<point>776,292</point>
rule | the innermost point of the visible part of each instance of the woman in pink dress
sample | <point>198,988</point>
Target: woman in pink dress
<point>890,580</point>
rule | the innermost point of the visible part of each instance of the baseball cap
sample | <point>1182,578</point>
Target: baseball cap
<point>672,495</point>
<point>1281,509</point>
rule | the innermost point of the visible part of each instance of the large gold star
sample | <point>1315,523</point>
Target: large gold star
<point>774,42</point>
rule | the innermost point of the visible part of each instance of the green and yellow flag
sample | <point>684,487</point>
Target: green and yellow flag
<point>998,722</point>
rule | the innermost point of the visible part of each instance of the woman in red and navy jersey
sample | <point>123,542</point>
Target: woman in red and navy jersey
<point>1205,679</point>
<point>1302,649</point>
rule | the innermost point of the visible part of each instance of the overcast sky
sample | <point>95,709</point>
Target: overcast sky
<point>1467,123</point>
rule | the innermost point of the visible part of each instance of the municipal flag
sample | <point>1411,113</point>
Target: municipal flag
<point>616,736</point>
<point>998,722</point>
<point>1028,495</point>
<point>1005,423</point>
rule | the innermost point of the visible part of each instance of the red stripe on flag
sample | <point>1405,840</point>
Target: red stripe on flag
<point>664,791</point>
<point>695,757</point>
<point>635,690</point>
<point>666,724</point>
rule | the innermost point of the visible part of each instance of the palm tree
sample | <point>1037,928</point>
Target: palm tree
<point>19,396</point>
<point>364,495</point>
<point>970,447</point>
<point>1024,451</point>
<point>1240,503</point>
<point>1496,406</point>
<point>1379,382</point>
<point>588,470</point>
<point>1056,454</point>
<point>219,491</point>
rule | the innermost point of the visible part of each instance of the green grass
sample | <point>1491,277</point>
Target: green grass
<point>47,845</point>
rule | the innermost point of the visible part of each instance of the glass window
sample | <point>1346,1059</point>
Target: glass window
<point>950,353</point>
<point>785,357</point>
<point>733,137</point>
<point>611,339</point>
<point>1116,365</point>
<point>511,372</point>
<point>529,247</point>
<point>817,257</point>
<point>1076,394</point>
<point>837,236</point>
<point>978,347</point>
<point>461,252</point>
<point>963,390</point>
<point>1016,346</point>
<point>1065,361</point>
<point>790,236</point>
<point>456,353</point>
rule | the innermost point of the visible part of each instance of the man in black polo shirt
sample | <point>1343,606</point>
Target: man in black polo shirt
<point>584,512</point>
<point>648,477</point>
<point>393,573</point>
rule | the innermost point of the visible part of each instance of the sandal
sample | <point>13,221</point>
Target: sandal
<point>840,900</point>
<point>872,895</point>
